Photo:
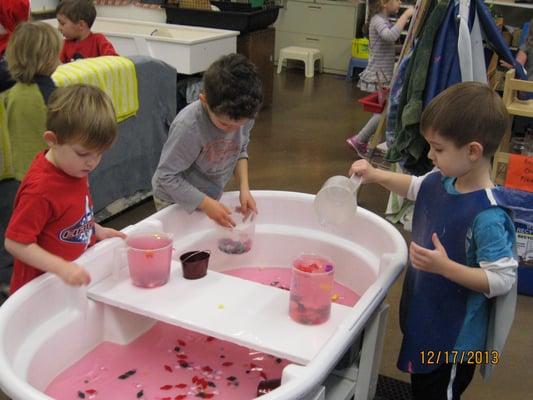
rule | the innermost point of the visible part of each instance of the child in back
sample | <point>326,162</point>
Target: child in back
<point>32,56</point>
<point>12,13</point>
<point>208,142</point>
<point>382,36</point>
<point>76,17</point>
<point>461,255</point>
<point>52,222</point>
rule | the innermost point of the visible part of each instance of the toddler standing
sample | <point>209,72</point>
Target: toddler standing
<point>52,222</point>
<point>76,17</point>
<point>382,36</point>
<point>208,142</point>
<point>32,57</point>
<point>462,255</point>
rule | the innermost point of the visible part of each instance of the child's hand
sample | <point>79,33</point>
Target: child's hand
<point>363,169</point>
<point>247,203</point>
<point>409,12</point>
<point>74,275</point>
<point>218,212</point>
<point>505,64</point>
<point>102,233</point>
<point>429,260</point>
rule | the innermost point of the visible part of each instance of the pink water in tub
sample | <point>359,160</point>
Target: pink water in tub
<point>281,278</point>
<point>171,363</point>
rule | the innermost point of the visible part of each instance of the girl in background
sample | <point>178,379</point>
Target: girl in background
<point>382,36</point>
<point>32,56</point>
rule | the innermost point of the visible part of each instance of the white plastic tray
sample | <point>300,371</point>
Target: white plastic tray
<point>226,307</point>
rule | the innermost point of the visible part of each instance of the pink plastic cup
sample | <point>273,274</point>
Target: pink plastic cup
<point>311,288</point>
<point>149,258</point>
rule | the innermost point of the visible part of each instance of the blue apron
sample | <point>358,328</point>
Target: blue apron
<point>433,308</point>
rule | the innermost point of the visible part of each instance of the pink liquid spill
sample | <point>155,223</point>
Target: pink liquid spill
<point>167,363</point>
<point>171,363</point>
<point>149,258</point>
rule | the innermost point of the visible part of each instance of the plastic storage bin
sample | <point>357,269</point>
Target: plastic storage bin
<point>360,48</point>
<point>233,16</point>
<point>372,103</point>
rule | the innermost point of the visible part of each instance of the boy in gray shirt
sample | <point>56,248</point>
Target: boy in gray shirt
<point>208,142</point>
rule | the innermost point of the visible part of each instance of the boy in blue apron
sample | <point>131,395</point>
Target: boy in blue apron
<point>459,292</point>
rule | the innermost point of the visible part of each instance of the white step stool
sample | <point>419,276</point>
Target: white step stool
<point>305,54</point>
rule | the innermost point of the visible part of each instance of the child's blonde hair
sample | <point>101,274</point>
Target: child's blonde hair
<point>468,112</point>
<point>33,49</point>
<point>82,114</point>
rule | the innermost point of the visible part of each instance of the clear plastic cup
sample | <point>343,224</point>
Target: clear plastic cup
<point>149,256</point>
<point>336,201</point>
<point>311,288</point>
<point>239,239</point>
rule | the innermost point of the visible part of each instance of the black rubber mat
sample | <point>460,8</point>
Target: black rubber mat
<point>392,389</point>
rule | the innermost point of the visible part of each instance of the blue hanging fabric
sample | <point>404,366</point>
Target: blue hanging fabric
<point>445,69</point>
<point>495,39</point>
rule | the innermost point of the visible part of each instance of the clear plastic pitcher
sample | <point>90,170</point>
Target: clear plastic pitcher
<point>336,201</point>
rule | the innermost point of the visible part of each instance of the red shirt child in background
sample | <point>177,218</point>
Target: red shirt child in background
<point>12,12</point>
<point>76,18</point>
<point>52,222</point>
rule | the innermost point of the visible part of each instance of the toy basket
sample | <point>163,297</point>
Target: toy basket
<point>195,4</point>
<point>371,103</point>
<point>360,48</point>
<point>375,102</point>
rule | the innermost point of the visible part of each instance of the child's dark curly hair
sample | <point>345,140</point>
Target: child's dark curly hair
<point>232,87</point>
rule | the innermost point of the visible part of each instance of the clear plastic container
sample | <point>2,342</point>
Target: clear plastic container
<point>239,239</point>
<point>336,201</point>
<point>311,288</point>
<point>148,256</point>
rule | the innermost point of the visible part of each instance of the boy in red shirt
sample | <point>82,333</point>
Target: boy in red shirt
<point>52,222</point>
<point>75,19</point>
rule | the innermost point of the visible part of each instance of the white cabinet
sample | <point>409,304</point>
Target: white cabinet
<point>325,25</point>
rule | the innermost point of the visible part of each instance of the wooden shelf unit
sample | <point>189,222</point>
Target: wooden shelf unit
<point>514,106</point>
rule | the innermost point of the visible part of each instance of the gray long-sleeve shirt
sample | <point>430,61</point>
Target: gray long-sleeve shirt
<point>198,159</point>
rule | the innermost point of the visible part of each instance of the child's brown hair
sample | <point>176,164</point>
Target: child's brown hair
<point>78,10</point>
<point>33,49</point>
<point>82,114</point>
<point>468,112</point>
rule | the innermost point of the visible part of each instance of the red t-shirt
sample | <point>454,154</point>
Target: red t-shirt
<point>53,210</point>
<point>12,13</point>
<point>94,45</point>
